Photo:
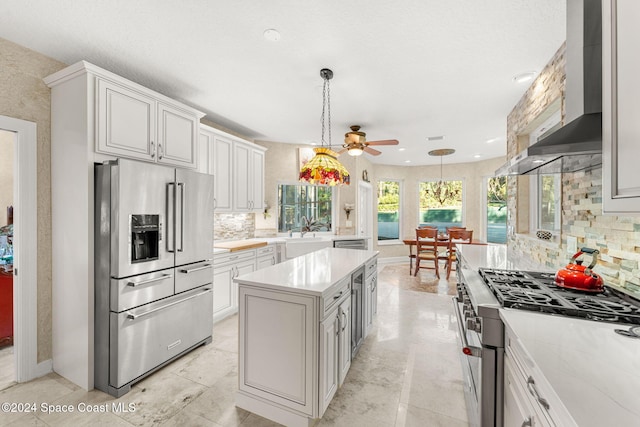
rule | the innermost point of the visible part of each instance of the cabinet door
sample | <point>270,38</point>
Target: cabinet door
<point>257,180</point>
<point>517,409</point>
<point>177,136</point>
<point>620,108</point>
<point>374,296</point>
<point>330,330</point>
<point>126,122</point>
<point>265,261</point>
<point>205,146</point>
<point>220,161</point>
<point>241,175</point>
<point>344,348</point>
<point>368,305</point>
<point>223,291</point>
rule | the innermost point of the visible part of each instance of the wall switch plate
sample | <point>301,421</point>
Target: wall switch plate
<point>572,244</point>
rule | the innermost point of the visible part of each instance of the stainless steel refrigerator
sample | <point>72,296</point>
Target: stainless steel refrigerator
<point>153,270</point>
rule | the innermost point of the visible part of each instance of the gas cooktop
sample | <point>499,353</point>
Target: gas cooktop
<point>537,291</point>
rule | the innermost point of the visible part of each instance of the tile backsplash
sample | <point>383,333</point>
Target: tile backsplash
<point>234,226</point>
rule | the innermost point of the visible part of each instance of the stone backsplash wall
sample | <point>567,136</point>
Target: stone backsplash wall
<point>616,237</point>
<point>234,226</point>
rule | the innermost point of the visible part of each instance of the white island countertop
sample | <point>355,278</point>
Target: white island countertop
<point>314,273</point>
<point>593,371</point>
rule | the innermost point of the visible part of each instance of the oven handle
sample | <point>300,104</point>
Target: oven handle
<point>466,348</point>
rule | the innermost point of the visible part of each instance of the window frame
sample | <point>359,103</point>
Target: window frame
<point>334,211</point>
<point>400,211</point>
<point>535,196</point>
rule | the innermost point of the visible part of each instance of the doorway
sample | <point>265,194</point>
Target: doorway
<point>22,136</point>
<point>365,212</point>
<point>7,362</point>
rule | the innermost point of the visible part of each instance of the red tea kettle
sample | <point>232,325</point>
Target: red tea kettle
<point>578,277</point>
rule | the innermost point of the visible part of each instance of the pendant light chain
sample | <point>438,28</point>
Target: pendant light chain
<point>326,105</point>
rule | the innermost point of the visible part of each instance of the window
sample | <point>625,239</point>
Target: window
<point>314,202</point>
<point>496,192</point>
<point>439,208</point>
<point>545,188</point>
<point>388,210</point>
<point>547,202</point>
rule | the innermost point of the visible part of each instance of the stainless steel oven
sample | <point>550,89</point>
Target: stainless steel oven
<point>481,337</point>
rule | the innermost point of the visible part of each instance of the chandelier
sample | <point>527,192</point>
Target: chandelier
<point>324,168</point>
<point>442,192</point>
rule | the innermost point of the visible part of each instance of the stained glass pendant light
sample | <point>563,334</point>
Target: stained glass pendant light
<point>324,168</point>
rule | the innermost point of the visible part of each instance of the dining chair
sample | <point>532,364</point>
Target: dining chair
<point>427,248</point>
<point>412,256</point>
<point>455,228</point>
<point>455,236</point>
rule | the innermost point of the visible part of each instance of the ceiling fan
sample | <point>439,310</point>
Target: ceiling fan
<point>355,143</point>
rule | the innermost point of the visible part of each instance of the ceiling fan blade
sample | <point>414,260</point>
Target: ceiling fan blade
<point>372,151</point>
<point>344,150</point>
<point>384,142</point>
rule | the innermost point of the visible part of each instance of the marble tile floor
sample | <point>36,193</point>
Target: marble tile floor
<point>407,373</point>
<point>7,367</point>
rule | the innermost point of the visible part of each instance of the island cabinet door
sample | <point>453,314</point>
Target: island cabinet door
<point>329,358</point>
<point>278,340</point>
<point>344,353</point>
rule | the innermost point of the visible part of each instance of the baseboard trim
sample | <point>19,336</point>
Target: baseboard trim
<point>43,368</point>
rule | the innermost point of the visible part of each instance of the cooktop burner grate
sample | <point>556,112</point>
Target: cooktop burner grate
<point>537,291</point>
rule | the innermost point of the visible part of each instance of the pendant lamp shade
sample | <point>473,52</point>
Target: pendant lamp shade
<point>324,168</point>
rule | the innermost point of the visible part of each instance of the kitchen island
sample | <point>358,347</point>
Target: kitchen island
<point>295,340</point>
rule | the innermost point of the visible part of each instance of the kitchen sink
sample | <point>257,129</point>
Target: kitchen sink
<point>296,246</point>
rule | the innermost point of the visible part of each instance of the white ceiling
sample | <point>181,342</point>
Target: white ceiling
<point>403,69</point>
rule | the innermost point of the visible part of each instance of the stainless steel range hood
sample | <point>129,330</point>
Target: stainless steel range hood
<point>578,144</point>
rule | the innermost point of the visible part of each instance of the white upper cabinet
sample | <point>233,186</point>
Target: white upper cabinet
<point>620,107</point>
<point>248,177</point>
<point>136,122</point>
<point>126,121</point>
<point>177,136</point>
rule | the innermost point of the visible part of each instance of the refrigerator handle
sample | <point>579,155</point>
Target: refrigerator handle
<point>171,207</point>
<point>182,187</point>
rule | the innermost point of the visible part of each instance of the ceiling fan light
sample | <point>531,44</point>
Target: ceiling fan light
<point>355,151</point>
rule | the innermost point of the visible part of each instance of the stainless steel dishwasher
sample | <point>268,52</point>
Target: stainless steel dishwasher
<point>351,244</point>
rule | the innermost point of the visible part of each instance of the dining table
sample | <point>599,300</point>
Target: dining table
<point>443,240</point>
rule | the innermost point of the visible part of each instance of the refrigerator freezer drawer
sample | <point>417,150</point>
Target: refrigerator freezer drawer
<point>193,275</point>
<point>139,290</point>
<point>145,337</point>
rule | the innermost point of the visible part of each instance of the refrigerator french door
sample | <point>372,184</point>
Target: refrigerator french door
<point>153,269</point>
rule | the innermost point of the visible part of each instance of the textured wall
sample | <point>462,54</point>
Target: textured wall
<point>617,237</point>
<point>23,95</point>
<point>6,173</point>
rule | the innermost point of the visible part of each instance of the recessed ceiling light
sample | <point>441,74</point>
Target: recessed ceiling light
<point>271,34</point>
<point>538,161</point>
<point>492,140</point>
<point>524,77</point>
<point>407,161</point>
<point>401,149</point>
<point>477,156</point>
<point>435,138</point>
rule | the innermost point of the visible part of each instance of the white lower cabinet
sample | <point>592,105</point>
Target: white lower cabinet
<point>370,294</point>
<point>229,265</point>
<point>528,398</point>
<point>335,349</point>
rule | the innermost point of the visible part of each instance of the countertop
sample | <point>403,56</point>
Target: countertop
<point>283,239</point>
<point>593,371</point>
<point>496,256</point>
<point>313,273</point>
